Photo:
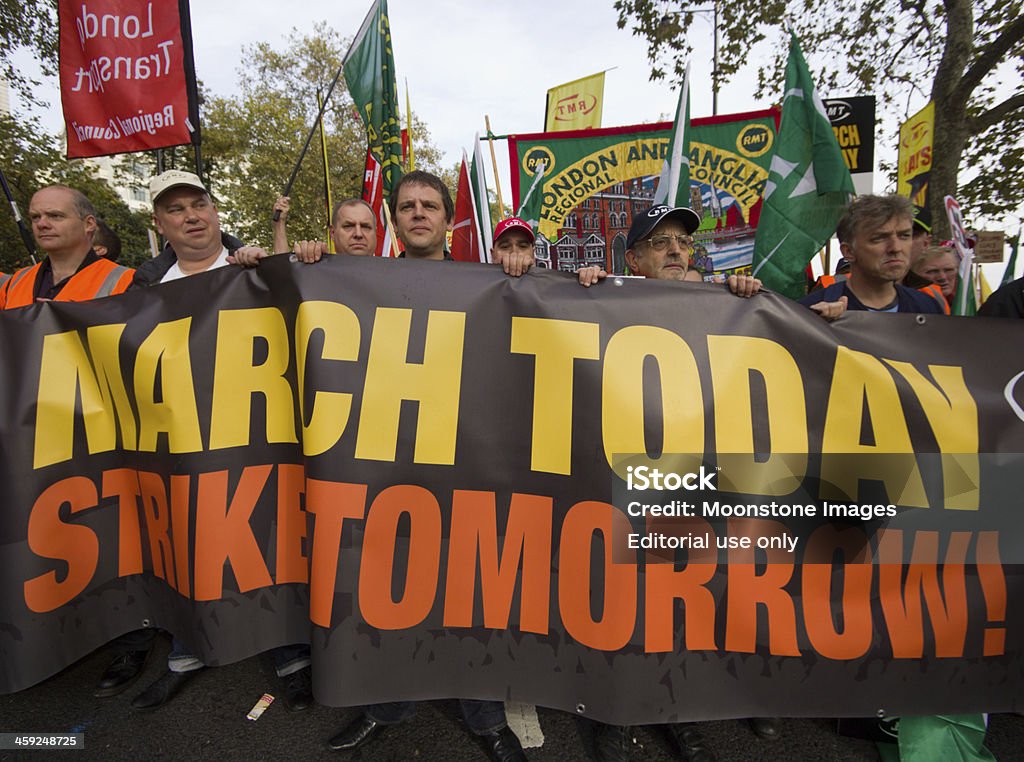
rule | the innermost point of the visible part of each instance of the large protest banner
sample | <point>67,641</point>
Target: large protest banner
<point>428,479</point>
<point>127,79</point>
<point>613,171</point>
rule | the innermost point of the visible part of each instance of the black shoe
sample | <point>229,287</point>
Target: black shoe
<point>767,728</point>
<point>163,690</point>
<point>612,743</point>
<point>298,690</point>
<point>122,672</point>
<point>690,743</point>
<point>503,746</point>
<point>355,734</point>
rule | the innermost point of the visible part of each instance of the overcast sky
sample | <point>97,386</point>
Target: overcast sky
<point>463,60</point>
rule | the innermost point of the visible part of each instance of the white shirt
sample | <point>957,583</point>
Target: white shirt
<point>175,272</point>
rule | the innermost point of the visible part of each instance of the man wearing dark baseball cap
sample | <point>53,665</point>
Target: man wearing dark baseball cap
<point>513,246</point>
<point>659,245</point>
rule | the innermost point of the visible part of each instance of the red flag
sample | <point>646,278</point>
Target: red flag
<point>127,81</point>
<point>373,194</point>
<point>466,243</point>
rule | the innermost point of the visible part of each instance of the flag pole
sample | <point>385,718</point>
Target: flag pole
<point>391,229</point>
<point>302,154</point>
<point>327,178</point>
<point>26,234</point>
<point>494,163</point>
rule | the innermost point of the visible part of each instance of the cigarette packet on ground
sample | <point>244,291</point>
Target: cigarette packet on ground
<point>261,706</point>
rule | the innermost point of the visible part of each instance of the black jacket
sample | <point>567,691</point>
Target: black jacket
<point>155,269</point>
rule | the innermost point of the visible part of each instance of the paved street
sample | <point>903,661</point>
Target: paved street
<point>207,722</point>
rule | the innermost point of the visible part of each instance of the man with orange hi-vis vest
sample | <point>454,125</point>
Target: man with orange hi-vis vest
<point>63,223</point>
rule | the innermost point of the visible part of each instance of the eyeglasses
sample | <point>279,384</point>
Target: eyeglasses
<point>660,242</point>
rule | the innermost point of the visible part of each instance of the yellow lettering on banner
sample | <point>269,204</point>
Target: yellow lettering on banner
<point>435,384</point>
<point>622,397</point>
<point>329,412</point>
<point>556,344</point>
<point>953,415</point>
<point>172,409</point>
<point>64,370</point>
<point>236,379</point>
<point>858,381</point>
<point>733,359</point>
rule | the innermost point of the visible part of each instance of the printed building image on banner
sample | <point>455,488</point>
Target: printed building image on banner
<point>915,156</point>
<point>853,122</point>
<point>597,180</point>
<point>127,80</point>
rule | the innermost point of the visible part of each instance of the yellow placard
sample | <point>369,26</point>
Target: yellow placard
<point>915,155</point>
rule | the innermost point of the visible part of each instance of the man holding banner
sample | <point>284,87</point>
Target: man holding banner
<point>875,237</point>
<point>422,209</point>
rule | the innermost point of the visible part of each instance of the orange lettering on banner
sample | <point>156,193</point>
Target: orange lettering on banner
<point>331,503</point>
<point>154,508</point>
<point>223,533</point>
<point>376,572</point>
<point>292,564</point>
<point>474,534</point>
<point>748,589</point>
<point>901,587</point>
<point>664,584</point>
<point>855,606</point>
<point>618,616</point>
<point>49,537</point>
<point>180,501</point>
<point>123,483</point>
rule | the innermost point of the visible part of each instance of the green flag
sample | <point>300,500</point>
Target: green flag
<point>1011,266</point>
<point>370,73</point>
<point>529,210</point>
<point>808,186</point>
<point>674,182</point>
<point>481,198</point>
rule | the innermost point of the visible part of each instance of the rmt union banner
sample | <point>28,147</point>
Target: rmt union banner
<point>462,484</point>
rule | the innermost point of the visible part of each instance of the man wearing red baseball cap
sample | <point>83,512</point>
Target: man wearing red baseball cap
<point>513,246</point>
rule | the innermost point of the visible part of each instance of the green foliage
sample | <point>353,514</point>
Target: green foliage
<point>31,159</point>
<point>252,140</point>
<point>29,24</point>
<point>903,51</point>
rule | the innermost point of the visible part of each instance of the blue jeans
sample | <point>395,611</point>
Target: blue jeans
<point>482,717</point>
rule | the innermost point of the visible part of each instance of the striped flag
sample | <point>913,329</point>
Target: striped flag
<point>467,240</point>
<point>674,183</point>
<point>529,210</point>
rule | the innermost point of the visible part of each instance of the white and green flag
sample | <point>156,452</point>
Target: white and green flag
<point>674,182</point>
<point>808,188</point>
<point>481,198</point>
<point>529,210</point>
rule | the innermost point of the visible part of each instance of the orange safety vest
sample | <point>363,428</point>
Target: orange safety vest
<point>827,280</point>
<point>101,278</point>
<point>935,292</point>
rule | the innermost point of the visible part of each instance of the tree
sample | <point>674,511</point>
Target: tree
<point>31,159</point>
<point>30,24</point>
<point>252,140</point>
<point>954,52</point>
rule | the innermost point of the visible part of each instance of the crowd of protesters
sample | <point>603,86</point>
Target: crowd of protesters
<point>888,265</point>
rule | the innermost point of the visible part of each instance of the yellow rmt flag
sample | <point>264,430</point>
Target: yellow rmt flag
<point>915,155</point>
<point>575,105</point>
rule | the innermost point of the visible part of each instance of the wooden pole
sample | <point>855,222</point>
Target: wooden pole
<point>391,229</point>
<point>494,163</point>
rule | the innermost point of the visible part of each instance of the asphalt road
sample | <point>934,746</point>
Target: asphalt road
<point>207,721</point>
